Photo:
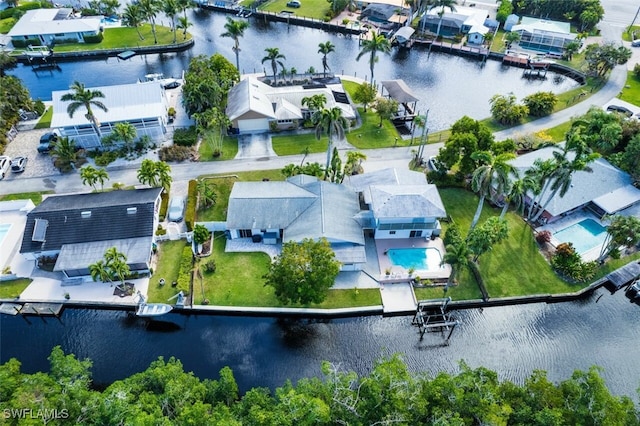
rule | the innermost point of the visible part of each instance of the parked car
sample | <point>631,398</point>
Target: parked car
<point>172,84</point>
<point>18,164</point>
<point>620,109</point>
<point>633,292</point>
<point>47,141</point>
<point>635,43</point>
<point>294,3</point>
<point>5,164</point>
<point>176,209</point>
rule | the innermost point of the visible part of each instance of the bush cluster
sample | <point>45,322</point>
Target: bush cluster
<point>175,153</point>
<point>210,266</point>
<point>93,38</point>
<point>104,158</point>
<point>192,197</point>
<point>185,137</point>
<point>543,237</point>
<point>10,12</point>
<point>184,274</point>
<point>569,263</point>
<point>164,204</point>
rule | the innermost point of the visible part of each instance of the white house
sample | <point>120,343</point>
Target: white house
<point>144,105</point>
<point>459,22</point>
<point>46,26</point>
<point>401,204</point>
<point>254,107</point>
<point>476,34</point>
<point>544,35</point>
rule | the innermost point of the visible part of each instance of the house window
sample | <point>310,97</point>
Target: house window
<point>415,234</point>
<point>392,232</point>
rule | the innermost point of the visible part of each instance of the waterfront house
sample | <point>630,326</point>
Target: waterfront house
<point>75,230</point>
<point>43,27</point>
<point>298,208</point>
<point>605,190</point>
<point>144,105</point>
<point>384,15</point>
<point>256,107</point>
<point>398,204</point>
<point>544,35</point>
<point>476,34</point>
<point>459,22</point>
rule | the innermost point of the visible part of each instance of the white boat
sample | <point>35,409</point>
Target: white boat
<point>38,52</point>
<point>153,309</point>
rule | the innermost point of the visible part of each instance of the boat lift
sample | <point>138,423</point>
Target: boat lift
<point>432,316</point>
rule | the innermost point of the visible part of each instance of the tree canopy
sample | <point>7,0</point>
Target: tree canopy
<point>207,83</point>
<point>304,272</point>
<point>166,394</point>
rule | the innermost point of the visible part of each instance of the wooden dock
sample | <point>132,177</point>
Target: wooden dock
<point>622,276</point>
<point>39,309</point>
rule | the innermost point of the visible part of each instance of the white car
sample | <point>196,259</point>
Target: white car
<point>176,209</point>
<point>5,165</point>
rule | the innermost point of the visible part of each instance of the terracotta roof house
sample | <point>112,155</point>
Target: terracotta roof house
<point>144,105</point>
<point>605,190</point>
<point>298,208</point>
<point>46,26</point>
<point>253,106</point>
<point>79,228</point>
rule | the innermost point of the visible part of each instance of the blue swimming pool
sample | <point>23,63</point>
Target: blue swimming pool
<point>584,235</point>
<point>417,258</point>
<point>4,229</point>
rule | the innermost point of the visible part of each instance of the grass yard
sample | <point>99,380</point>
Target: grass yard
<point>12,289</point>
<point>45,120</point>
<point>223,185</point>
<point>514,267</point>
<point>125,37</point>
<point>229,150</point>
<point>295,144</point>
<point>627,34</point>
<point>559,132</point>
<point>36,197</point>
<point>169,253</point>
<point>310,8</point>
<point>370,135</point>
<point>631,92</point>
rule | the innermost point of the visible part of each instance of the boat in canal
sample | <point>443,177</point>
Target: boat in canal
<point>149,310</point>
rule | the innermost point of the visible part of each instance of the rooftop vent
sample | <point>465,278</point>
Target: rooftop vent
<point>132,210</point>
<point>85,214</point>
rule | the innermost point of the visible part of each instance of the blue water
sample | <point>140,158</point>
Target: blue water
<point>4,229</point>
<point>417,258</point>
<point>584,235</point>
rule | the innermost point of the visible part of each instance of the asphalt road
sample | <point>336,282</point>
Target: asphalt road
<point>618,14</point>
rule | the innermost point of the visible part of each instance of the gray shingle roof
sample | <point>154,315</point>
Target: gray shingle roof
<point>400,201</point>
<point>109,219</point>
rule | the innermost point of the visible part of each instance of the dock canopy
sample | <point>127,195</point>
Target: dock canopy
<point>399,91</point>
<point>404,34</point>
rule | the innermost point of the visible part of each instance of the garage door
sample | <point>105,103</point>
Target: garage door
<point>255,125</point>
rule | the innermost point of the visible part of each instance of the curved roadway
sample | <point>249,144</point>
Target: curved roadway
<point>618,14</point>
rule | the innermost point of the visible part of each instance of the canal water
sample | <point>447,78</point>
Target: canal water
<point>448,86</point>
<point>559,338</point>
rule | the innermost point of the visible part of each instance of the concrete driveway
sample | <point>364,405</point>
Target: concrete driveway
<point>255,146</point>
<point>26,144</point>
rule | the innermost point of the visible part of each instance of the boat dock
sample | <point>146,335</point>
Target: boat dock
<point>622,276</point>
<point>39,309</point>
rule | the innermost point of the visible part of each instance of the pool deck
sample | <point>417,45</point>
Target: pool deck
<point>13,213</point>
<point>400,273</point>
<point>566,222</point>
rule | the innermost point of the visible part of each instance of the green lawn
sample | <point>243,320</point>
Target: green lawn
<point>295,144</point>
<point>631,91</point>
<point>36,197</point>
<point>169,254</point>
<point>229,150</point>
<point>626,35</point>
<point>45,120</point>
<point>514,267</point>
<point>559,132</point>
<point>370,135</point>
<point>310,8</point>
<point>125,37</point>
<point>12,289</point>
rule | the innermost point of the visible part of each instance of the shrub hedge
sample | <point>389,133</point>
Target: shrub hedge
<point>184,275</point>
<point>93,38</point>
<point>185,137</point>
<point>164,204</point>
<point>192,197</point>
<point>8,13</point>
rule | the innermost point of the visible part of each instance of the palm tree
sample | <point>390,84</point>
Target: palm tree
<point>132,17</point>
<point>206,194</point>
<point>149,10</point>
<point>155,174</point>
<point>324,49</point>
<point>354,163</point>
<point>377,43</point>
<point>315,103</point>
<point>92,176</point>
<point>100,271</point>
<point>126,132</point>
<point>101,176</point>
<point>492,175</point>
<point>64,151</point>
<point>85,98</point>
<point>235,30</point>
<point>518,193</point>
<point>331,122</point>
<point>184,5</point>
<point>183,24</point>
<point>442,4</point>
<point>275,58</point>
<point>458,256</point>
<point>171,9</point>
<point>119,269</point>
